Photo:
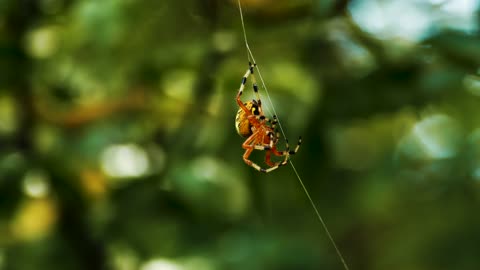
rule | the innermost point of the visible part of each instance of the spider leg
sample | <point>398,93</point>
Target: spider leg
<point>268,160</point>
<point>285,154</point>
<point>272,165</point>
<point>282,153</point>
<point>255,86</point>
<point>265,146</point>
<point>242,87</point>
<point>297,147</point>
<point>277,164</point>
<point>274,122</point>
<point>263,119</point>
<point>277,135</point>
<point>287,150</point>
<point>250,163</point>
<point>251,144</point>
<point>249,141</point>
<point>269,148</point>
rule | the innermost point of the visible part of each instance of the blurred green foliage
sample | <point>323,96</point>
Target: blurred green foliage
<point>118,149</point>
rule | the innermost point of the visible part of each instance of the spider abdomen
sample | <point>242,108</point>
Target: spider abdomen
<point>242,124</point>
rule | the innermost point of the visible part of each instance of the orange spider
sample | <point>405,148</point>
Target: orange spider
<point>252,123</point>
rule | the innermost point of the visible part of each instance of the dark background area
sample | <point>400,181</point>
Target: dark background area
<point>118,148</point>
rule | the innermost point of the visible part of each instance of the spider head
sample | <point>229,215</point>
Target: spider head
<point>254,107</point>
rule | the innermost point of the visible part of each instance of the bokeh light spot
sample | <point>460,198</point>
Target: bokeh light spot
<point>211,187</point>
<point>472,84</point>
<point>438,135</point>
<point>178,84</point>
<point>476,174</point>
<point>161,264</point>
<point>123,257</point>
<point>224,41</point>
<point>42,42</point>
<point>8,115</point>
<point>126,160</point>
<point>34,219</point>
<point>435,137</point>
<point>391,19</point>
<point>413,20</point>
<point>35,184</point>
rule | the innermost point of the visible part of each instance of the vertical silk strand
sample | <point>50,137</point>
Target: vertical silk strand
<point>251,57</point>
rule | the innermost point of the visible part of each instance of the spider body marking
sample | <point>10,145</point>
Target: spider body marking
<point>261,133</point>
<point>242,123</point>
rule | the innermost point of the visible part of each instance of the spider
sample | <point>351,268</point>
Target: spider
<point>261,132</point>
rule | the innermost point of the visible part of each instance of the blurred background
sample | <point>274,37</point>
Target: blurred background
<point>118,148</point>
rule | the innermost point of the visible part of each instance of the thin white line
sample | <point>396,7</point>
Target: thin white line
<point>250,54</point>
<point>320,218</point>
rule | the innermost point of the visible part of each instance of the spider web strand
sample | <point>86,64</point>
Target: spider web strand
<point>320,218</point>
<point>324,225</point>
